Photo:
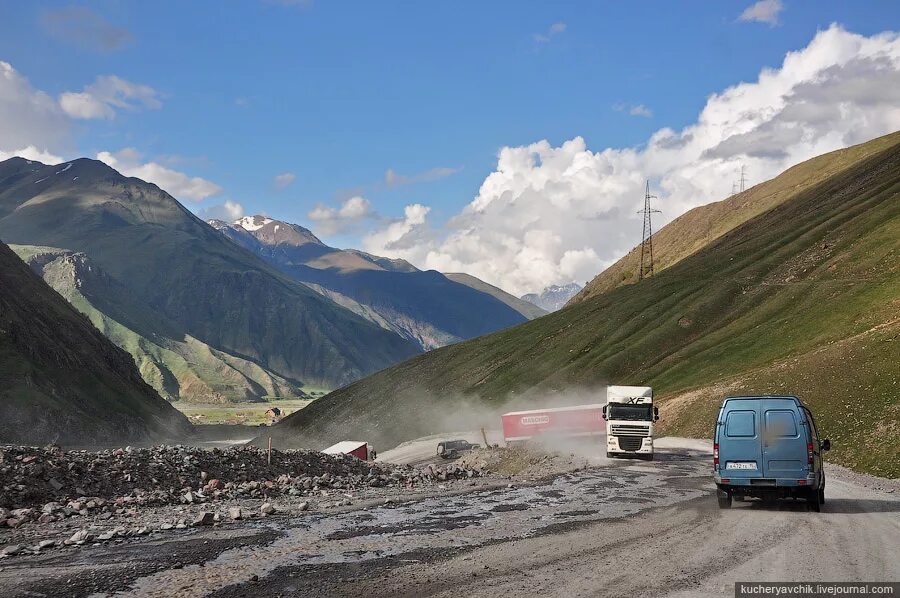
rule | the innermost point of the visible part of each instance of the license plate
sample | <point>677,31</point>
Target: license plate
<point>739,465</point>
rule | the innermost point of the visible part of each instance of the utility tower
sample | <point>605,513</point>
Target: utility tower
<point>646,270</point>
<point>733,187</point>
<point>743,178</point>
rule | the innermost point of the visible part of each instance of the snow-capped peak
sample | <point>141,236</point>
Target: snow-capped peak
<point>252,223</point>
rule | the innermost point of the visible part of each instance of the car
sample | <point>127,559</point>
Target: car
<point>768,447</point>
<point>448,449</point>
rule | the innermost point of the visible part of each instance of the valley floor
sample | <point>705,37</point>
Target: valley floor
<point>575,533</point>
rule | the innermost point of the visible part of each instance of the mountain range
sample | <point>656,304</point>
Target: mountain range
<point>204,318</point>
<point>61,380</point>
<point>239,311</point>
<point>797,292</point>
<point>427,308</point>
<point>553,297</point>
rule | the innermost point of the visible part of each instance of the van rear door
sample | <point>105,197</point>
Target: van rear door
<point>740,439</point>
<point>784,439</point>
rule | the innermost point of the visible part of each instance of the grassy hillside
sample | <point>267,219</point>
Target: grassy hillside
<point>699,227</point>
<point>178,367</point>
<point>813,281</point>
<point>61,380</point>
<point>203,284</point>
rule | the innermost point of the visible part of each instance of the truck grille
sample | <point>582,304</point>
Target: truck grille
<point>630,443</point>
<point>626,430</point>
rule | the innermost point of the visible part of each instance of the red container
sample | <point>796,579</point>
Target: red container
<point>357,448</point>
<point>580,420</point>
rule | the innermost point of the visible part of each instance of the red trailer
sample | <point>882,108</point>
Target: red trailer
<point>580,420</point>
<point>360,450</point>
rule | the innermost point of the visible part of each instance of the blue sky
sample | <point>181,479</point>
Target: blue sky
<point>337,93</point>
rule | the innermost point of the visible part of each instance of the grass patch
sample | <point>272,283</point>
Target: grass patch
<point>245,414</point>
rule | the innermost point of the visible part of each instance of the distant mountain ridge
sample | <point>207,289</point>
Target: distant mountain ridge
<point>553,297</point>
<point>61,380</point>
<point>428,308</point>
<point>203,287</point>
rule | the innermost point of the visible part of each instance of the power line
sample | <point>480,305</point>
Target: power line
<point>646,270</point>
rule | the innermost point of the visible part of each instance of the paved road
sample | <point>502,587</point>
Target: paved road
<point>622,528</point>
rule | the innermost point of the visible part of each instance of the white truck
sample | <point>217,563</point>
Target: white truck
<point>629,415</point>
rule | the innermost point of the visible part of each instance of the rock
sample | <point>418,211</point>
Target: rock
<point>13,522</point>
<point>106,536</point>
<point>56,484</point>
<point>303,506</point>
<point>46,544</point>
<point>166,526</point>
<point>80,537</point>
<point>266,509</point>
<point>204,518</point>
<point>234,513</point>
<point>51,507</point>
<point>46,518</point>
<point>188,497</point>
<point>11,550</point>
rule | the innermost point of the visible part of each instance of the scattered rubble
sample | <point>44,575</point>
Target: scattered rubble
<point>43,485</point>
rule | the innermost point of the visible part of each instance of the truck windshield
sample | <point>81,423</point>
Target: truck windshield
<point>630,412</point>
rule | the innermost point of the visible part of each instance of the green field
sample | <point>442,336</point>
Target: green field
<point>245,414</point>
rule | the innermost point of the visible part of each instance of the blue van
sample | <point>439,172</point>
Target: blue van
<point>768,447</point>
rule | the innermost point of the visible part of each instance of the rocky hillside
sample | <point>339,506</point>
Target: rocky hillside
<point>208,288</point>
<point>61,380</point>
<point>177,366</point>
<point>427,308</point>
<point>701,226</point>
<point>802,298</point>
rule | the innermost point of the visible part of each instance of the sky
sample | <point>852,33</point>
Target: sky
<point>510,140</point>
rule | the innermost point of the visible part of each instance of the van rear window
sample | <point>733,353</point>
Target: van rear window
<point>740,423</point>
<point>780,423</point>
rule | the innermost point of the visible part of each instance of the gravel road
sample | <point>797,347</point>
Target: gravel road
<point>617,528</point>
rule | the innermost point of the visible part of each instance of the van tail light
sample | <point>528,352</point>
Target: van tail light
<point>716,455</point>
<point>809,453</point>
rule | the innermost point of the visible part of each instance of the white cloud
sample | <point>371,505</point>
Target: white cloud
<point>284,179</point>
<point>633,109</point>
<point>30,120</point>
<point>100,99</point>
<point>345,217</point>
<point>129,162</point>
<point>228,211</point>
<point>554,30</point>
<point>393,179</point>
<point>764,11</point>
<point>31,153</point>
<point>550,215</point>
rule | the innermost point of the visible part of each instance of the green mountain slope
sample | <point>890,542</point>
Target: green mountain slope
<point>699,227</point>
<point>178,367</point>
<point>61,380</point>
<point>206,286</point>
<point>427,308</point>
<point>815,279</point>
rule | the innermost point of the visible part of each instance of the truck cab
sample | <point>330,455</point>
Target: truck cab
<point>629,415</point>
<point>768,447</point>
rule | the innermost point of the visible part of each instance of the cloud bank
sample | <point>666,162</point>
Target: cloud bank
<point>551,215</point>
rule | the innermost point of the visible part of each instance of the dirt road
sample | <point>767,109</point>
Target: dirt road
<point>618,528</point>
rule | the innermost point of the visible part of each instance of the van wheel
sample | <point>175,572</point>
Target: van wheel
<point>724,499</point>
<point>739,497</point>
<point>813,499</point>
<point>609,455</point>
<point>822,495</point>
